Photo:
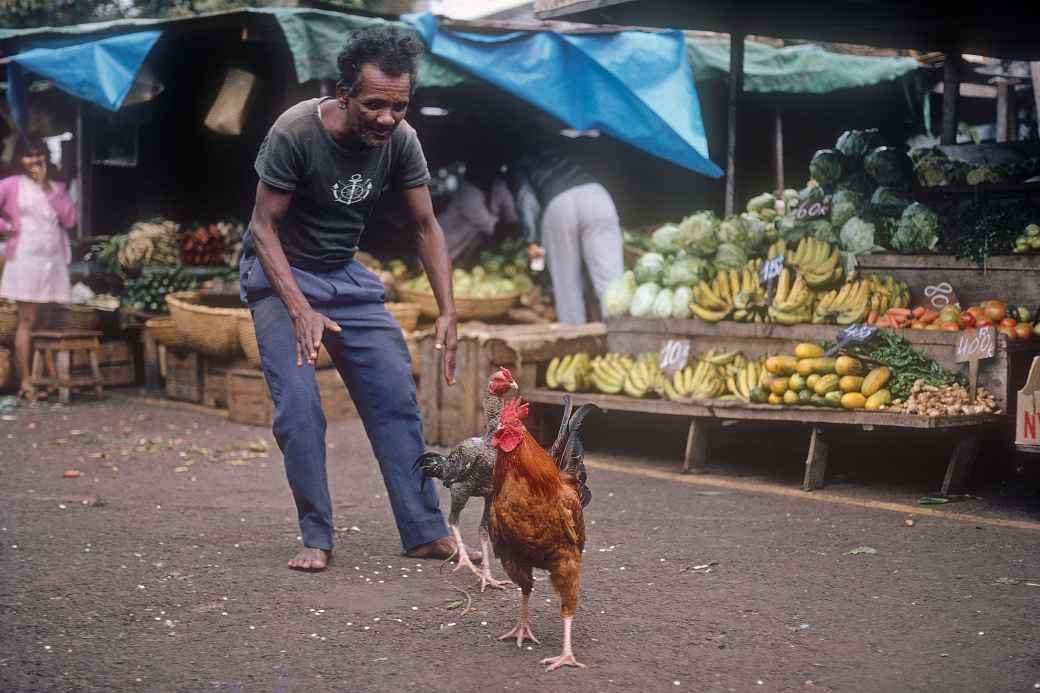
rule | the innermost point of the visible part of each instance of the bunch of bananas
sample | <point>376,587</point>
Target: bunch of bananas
<point>714,302</point>
<point>742,379</point>
<point>817,261</point>
<point>845,306</point>
<point>887,293</point>
<point>793,301</point>
<point>749,304</point>
<point>610,372</point>
<point>570,372</point>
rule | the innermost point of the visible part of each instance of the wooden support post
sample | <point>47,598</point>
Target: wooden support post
<point>816,461</point>
<point>736,88</point>
<point>695,460</point>
<point>1034,72</point>
<point>64,376</point>
<point>1007,112</point>
<point>951,92</point>
<point>962,461</point>
<point>152,368</point>
<point>778,150</point>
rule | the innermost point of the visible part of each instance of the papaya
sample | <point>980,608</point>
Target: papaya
<point>811,380</point>
<point>796,382</point>
<point>850,383</point>
<point>847,365</point>
<point>790,397</point>
<point>758,395</point>
<point>804,367</point>
<point>833,398</point>
<point>817,400</point>
<point>853,400</point>
<point>775,399</point>
<point>875,380</point>
<point>881,398</point>
<point>808,350</point>
<point>781,365</point>
<point>827,383</point>
<point>779,386</point>
<point>805,397</point>
<point>823,365</point>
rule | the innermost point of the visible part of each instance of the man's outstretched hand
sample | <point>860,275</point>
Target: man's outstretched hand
<point>310,326</point>
<point>448,342</point>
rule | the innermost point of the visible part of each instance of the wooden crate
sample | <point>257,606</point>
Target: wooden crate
<point>249,401</point>
<point>116,358</point>
<point>7,375</point>
<point>215,381</point>
<point>184,375</point>
<point>1012,278</point>
<point>453,413</point>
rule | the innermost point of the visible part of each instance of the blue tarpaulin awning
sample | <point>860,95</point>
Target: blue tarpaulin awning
<point>101,71</point>
<point>636,86</point>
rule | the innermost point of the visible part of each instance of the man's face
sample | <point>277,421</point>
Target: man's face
<point>378,107</point>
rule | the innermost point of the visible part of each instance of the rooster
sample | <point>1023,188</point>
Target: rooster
<point>466,471</point>
<point>536,514</point>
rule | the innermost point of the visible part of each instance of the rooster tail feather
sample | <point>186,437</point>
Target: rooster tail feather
<point>561,436</point>
<point>571,458</point>
<point>432,466</point>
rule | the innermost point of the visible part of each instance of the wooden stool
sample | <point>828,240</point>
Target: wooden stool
<point>52,361</point>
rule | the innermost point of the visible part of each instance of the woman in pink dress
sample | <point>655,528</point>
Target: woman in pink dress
<point>34,213</point>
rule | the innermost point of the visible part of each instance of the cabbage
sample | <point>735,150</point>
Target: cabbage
<point>754,239</point>
<point>821,230</point>
<point>857,237</point>
<point>760,202</point>
<point>619,294</point>
<point>666,239</point>
<point>662,307</point>
<point>859,183</point>
<point>917,231</point>
<point>698,233</point>
<point>845,204</point>
<point>811,193</point>
<point>855,144</point>
<point>888,201</point>
<point>791,230</point>
<point>681,300</point>
<point>888,166</point>
<point>827,168</point>
<point>730,256</point>
<point>643,300</point>
<point>731,230</point>
<point>686,270</point>
<point>649,268</point>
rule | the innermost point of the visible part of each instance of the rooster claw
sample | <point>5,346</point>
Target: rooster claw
<point>488,581</point>
<point>564,660</point>
<point>521,631</point>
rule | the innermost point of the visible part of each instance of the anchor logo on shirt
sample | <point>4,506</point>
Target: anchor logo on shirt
<point>351,191</point>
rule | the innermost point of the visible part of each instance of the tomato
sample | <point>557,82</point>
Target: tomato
<point>918,325</point>
<point>994,310</point>
<point>976,312</point>
<point>1008,322</point>
<point>1024,330</point>
<point>967,319</point>
<point>933,326</point>
<point>950,326</point>
<point>1009,332</point>
<point>984,322</point>
<point>929,316</point>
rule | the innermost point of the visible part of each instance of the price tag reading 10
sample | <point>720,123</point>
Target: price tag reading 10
<point>674,355</point>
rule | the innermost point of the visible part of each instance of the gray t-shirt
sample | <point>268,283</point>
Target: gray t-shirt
<point>334,188</point>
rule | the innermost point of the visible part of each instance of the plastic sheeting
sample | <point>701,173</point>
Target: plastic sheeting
<point>100,71</point>
<point>633,85</point>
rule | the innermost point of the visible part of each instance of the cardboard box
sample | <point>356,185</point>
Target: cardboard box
<point>1027,426</point>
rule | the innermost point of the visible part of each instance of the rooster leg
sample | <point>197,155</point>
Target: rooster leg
<point>566,658</point>
<point>522,629</point>
<point>459,497</point>
<point>485,549</point>
<point>461,553</point>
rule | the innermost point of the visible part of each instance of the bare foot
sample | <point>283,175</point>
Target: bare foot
<point>564,660</point>
<point>521,631</point>
<point>442,549</point>
<point>311,560</point>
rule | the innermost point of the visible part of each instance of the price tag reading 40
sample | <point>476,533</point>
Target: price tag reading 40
<point>674,355</point>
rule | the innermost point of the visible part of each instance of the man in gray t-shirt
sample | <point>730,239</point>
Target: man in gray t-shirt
<point>322,168</point>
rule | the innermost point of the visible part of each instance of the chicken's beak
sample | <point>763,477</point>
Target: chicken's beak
<point>513,385</point>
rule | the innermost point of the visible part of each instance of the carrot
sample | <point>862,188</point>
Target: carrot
<point>900,312</point>
<point>918,312</point>
<point>884,321</point>
<point>872,317</point>
<point>929,316</point>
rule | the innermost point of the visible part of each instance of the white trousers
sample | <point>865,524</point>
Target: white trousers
<point>581,224</point>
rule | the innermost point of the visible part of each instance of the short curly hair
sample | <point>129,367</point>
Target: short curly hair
<point>387,47</point>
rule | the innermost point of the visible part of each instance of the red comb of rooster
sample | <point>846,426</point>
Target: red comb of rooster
<point>514,412</point>
<point>500,381</point>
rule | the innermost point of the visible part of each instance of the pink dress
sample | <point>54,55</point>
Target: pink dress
<point>38,271</point>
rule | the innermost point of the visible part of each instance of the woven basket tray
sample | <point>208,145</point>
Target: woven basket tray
<point>8,321</point>
<point>211,330</point>
<point>73,317</point>
<point>247,340</point>
<point>466,308</point>
<point>164,330</point>
<point>406,314</point>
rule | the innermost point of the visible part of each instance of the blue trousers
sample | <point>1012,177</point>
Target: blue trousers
<point>371,356</point>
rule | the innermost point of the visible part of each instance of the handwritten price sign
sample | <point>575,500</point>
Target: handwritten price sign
<point>813,209</point>
<point>675,354</point>
<point>772,268</point>
<point>853,334</point>
<point>972,346</point>
<point>940,295</point>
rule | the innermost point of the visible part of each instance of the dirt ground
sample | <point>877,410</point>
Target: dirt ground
<point>162,568</point>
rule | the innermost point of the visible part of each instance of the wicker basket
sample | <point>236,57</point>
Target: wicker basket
<point>74,317</point>
<point>164,330</point>
<point>211,329</point>
<point>406,314</point>
<point>247,340</point>
<point>466,308</point>
<point>5,367</point>
<point>8,321</point>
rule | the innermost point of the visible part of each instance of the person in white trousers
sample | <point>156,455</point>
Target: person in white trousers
<point>570,219</point>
